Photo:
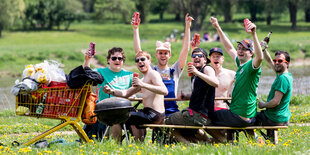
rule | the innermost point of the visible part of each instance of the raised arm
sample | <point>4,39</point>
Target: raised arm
<point>258,58</point>
<point>186,41</point>
<point>268,58</point>
<point>208,75</point>
<point>136,37</point>
<point>87,58</point>
<point>225,41</point>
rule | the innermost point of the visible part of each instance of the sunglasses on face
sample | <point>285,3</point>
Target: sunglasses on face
<point>279,60</point>
<point>139,59</point>
<point>118,58</point>
<point>197,55</point>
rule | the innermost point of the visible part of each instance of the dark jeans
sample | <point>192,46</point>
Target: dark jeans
<point>225,117</point>
<point>263,120</point>
<point>95,129</point>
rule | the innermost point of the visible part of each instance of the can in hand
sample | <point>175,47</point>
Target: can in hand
<point>196,40</point>
<point>92,48</point>
<point>135,74</point>
<point>189,74</point>
<point>245,24</point>
<point>136,17</point>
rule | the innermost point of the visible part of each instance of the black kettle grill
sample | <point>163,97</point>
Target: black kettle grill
<point>114,110</point>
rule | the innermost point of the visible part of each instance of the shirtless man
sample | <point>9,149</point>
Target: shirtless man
<point>225,77</point>
<point>170,75</point>
<point>153,90</point>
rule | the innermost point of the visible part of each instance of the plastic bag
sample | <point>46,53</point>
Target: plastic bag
<point>56,74</point>
<point>29,71</point>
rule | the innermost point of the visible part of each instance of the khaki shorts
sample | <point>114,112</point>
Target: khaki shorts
<point>185,118</point>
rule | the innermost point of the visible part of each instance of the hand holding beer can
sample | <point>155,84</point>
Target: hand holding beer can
<point>245,24</point>
<point>135,74</point>
<point>136,17</point>
<point>189,74</point>
<point>92,48</point>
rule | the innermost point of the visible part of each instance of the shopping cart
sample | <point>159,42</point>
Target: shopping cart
<point>60,103</point>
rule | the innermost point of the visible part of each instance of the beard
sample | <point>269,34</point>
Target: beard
<point>279,69</point>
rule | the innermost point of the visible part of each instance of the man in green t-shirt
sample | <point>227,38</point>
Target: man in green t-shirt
<point>118,78</point>
<point>277,106</point>
<point>243,104</point>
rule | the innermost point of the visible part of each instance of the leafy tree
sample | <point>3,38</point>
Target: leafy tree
<point>112,8</point>
<point>46,14</point>
<point>226,7</point>
<point>176,8</point>
<point>292,6</point>
<point>306,5</point>
<point>254,7</point>
<point>10,10</point>
<point>159,7</point>
<point>143,7</point>
<point>198,10</point>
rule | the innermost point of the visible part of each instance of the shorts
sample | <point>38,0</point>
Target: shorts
<point>185,117</point>
<point>145,116</point>
<point>262,119</point>
<point>227,118</point>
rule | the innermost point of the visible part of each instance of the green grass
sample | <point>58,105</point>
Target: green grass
<point>22,48</point>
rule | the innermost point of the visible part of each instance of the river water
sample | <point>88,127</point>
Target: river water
<point>301,85</point>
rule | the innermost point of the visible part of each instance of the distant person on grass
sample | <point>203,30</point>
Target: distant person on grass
<point>153,91</point>
<point>117,77</point>
<point>277,111</point>
<point>243,105</point>
<point>170,75</point>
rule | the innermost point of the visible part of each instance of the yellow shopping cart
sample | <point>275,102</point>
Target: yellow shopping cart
<point>60,103</point>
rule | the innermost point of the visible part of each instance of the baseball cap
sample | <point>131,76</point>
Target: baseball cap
<point>247,43</point>
<point>203,51</point>
<point>216,49</point>
<point>163,46</point>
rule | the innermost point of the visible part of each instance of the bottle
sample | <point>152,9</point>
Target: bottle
<point>265,42</point>
<point>245,24</point>
<point>40,107</point>
<point>92,48</point>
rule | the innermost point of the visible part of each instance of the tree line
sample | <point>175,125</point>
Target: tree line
<point>51,14</point>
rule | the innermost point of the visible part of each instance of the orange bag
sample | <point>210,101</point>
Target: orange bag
<point>89,107</point>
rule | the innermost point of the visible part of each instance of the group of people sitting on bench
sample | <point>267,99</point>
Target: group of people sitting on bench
<point>209,80</point>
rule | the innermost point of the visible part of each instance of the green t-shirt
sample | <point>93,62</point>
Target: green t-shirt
<point>243,101</point>
<point>281,113</point>
<point>118,80</point>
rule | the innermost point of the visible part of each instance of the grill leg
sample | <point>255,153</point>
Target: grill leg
<point>105,133</point>
<point>126,134</point>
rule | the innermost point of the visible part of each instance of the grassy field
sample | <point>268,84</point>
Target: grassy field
<point>294,140</point>
<point>18,49</point>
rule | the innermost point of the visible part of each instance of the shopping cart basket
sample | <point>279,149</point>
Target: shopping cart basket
<point>60,103</point>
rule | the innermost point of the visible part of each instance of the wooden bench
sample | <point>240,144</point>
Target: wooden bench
<point>232,132</point>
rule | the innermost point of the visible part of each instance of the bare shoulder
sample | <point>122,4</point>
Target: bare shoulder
<point>208,69</point>
<point>154,74</point>
<point>230,72</point>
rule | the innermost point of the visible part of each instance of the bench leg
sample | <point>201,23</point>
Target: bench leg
<point>273,135</point>
<point>230,136</point>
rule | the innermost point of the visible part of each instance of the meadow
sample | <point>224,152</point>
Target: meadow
<point>18,49</point>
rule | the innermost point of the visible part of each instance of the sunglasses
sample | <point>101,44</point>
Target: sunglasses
<point>279,60</point>
<point>139,59</point>
<point>118,58</point>
<point>197,55</point>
